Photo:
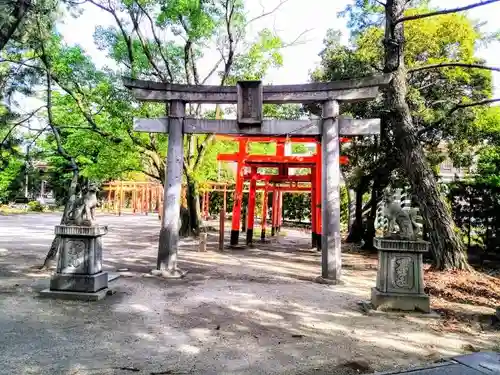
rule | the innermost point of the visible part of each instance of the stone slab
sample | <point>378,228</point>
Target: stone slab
<point>75,296</point>
<point>486,362</point>
<point>400,301</point>
<point>79,283</point>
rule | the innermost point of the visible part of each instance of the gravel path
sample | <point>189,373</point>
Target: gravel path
<point>251,311</point>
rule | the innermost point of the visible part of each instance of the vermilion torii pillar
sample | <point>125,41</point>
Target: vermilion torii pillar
<point>249,97</point>
<point>264,213</point>
<point>238,193</point>
<point>251,205</point>
<point>282,163</point>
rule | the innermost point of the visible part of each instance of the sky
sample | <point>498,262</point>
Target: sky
<point>313,18</point>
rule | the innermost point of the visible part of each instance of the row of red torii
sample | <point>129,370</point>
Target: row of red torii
<point>274,183</point>
<point>146,195</point>
<point>249,97</point>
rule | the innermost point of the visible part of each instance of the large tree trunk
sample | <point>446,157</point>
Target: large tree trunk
<point>447,247</point>
<point>193,204</point>
<point>369,230</point>
<point>356,228</point>
<point>51,258</point>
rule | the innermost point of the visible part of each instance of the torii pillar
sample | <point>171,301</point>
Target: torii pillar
<point>330,192</point>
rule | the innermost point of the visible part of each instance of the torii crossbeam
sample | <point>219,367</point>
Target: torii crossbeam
<point>249,97</point>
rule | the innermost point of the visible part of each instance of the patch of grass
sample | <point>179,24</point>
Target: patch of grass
<point>6,210</point>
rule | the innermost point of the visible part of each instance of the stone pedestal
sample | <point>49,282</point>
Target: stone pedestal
<point>400,279</point>
<point>79,268</point>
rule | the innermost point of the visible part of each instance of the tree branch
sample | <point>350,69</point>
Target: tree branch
<point>157,40</point>
<point>13,20</point>
<point>44,58</point>
<point>202,149</point>
<point>229,61</point>
<point>145,47</point>
<point>156,177</point>
<point>55,131</point>
<point>444,11</point>
<point>448,65</point>
<point>128,39</point>
<point>296,40</point>
<point>212,71</point>
<point>264,14</point>
<point>454,109</point>
<point>189,62</point>
<point>138,142</point>
<point>37,135</point>
<point>19,123</point>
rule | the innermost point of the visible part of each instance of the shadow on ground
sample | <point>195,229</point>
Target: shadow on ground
<point>252,311</point>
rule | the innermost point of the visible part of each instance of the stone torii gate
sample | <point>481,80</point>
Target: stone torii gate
<point>249,97</point>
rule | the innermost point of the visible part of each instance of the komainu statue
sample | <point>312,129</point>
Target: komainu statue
<point>84,208</point>
<point>408,228</point>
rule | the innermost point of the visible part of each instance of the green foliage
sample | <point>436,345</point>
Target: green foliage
<point>10,177</point>
<point>296,206</point>
<point>35,206</point>
<point>476,211</point>
<point>433,93</point>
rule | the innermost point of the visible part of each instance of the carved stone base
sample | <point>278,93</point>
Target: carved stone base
<point>400,301</point>
<point>79,267</point>
<point>400,281</point>
<point>79,283</point>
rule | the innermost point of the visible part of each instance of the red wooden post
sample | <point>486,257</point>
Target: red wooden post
<point>238,195</point>
<point>207,204</point>
<point>224,203</point>
<point>251,206</point>
<point>280,148</point>
<point>120,199</point>
<point>279,214</point>
<point>313,206</point>
<point>264,215</point>
<point>204,205</point>
<point>274,210</point>
<point>222,221</point>
<point>134,200</point>
<point>148,197</point>
<point>318,197</point>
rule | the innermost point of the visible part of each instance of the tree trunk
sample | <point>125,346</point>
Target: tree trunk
<point>351,208</point>
<point>13,21</point>
<point>369,232</point>
<point>356,229</point>
<point>193,204</point>
<point>447,247</point>
<point>51,258</point>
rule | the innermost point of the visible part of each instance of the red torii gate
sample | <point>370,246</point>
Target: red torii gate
<point>281,162</point>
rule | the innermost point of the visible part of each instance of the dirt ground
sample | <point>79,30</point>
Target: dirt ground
<point>251,311</point>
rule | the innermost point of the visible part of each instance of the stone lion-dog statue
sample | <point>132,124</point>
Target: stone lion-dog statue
<point>84,208</point>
